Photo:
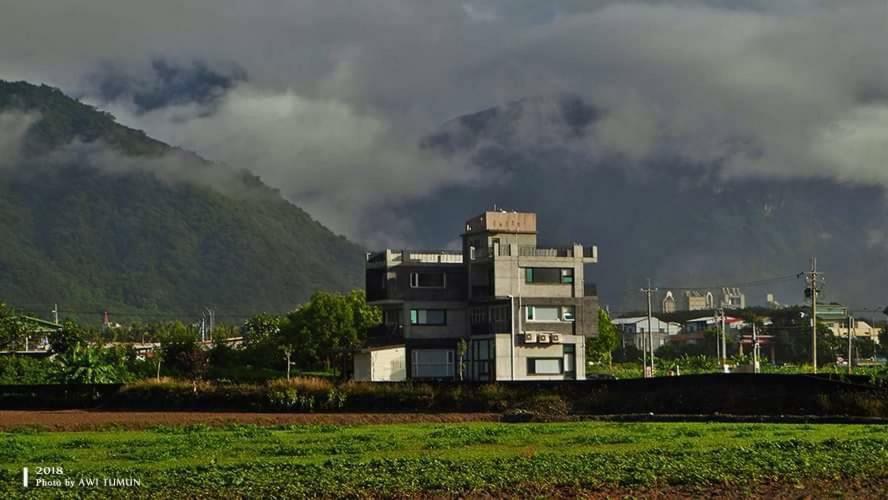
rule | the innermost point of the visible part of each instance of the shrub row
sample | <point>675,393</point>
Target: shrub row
<point>698,394</point>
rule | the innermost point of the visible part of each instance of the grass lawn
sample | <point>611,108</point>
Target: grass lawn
<point>418,459</point>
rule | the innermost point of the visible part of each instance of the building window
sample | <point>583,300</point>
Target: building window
<point>570,358</point>
<point>431,317</point>
<point>545,366</point>
<point>482,357</point>
<point>500,313</point>
<point>392,316</point>
<point>478,315</point>
<point>432,363</point>
<point>550,313</point>
<point>567,313</point>
<point>427,279</point>
<point>537,313</point>
<point>548,275</point>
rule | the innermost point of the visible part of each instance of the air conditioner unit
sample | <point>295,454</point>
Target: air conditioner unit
<point>530,338</point>
<point>543,338</point>
<point>556,338</point>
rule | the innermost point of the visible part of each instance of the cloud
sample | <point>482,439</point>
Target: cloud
<point>322,154</point>
<point>338,93</point>
<point>13,127</point>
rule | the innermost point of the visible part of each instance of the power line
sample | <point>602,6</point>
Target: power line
<point>760,282</point>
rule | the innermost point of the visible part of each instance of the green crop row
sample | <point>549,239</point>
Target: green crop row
<point>448,459</point>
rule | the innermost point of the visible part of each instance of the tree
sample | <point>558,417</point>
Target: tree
<point>864,348</point>
<point>186,357</point>
<point>70,336</point>
<point>461,348</point>
<point>260,327</point>
<point>12,329</point>
<point>157,360</point>
<point>84,364</point>
<point>607,341</point>
<point>329,327</point>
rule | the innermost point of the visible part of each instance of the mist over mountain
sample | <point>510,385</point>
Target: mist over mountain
<point>680,223</point>
<point>97,216</point>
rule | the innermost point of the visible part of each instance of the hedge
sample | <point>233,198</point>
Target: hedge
<point>739,394</point>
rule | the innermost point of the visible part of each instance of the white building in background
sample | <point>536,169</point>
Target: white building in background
<point>698,300</point>
<point>634,330</point>
<point>732,298</point>
<point>703,300</point>
<point>711,323</point>
<point>381,364</point>
<point>861,330</point>
<point>772,302</point>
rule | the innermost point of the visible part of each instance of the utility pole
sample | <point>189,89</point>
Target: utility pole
<point>55,313</point>
<point>850,337</point>
<point>724,340</point>
<point>207,324</point>
<point>811,278</point>
<point>755,348</point>
<point>650,292</point>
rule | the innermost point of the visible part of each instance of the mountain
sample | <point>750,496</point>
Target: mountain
<point>675,222</point>
<point>96,216</point>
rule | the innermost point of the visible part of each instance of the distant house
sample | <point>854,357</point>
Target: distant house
<point>732,298</point>
<point>703,300</point>
<point>835,317</point>
<point>694,329</point>
<point>711,322</point>
<point>634,330</point>
<point>772,302</point>
<point>36,338</point>
<point>699,300</point>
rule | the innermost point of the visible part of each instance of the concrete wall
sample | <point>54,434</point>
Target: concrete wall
<point>381,365</point>
<point>524,351</point>
<point>457,321</point>
<point>503,357</point>
<point>389,365</point>
<point>520,222</point>
<point>585,322</point>
<point>361,366</point>
<point>509,276</point>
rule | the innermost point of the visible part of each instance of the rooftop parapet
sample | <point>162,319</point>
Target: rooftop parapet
<point>397,257</point>
<point>588,253</point>
<point>502,222</point>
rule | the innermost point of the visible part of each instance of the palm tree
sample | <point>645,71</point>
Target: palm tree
<point>84,365</point>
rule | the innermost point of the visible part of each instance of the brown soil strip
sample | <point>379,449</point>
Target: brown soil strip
<point>78,420</point>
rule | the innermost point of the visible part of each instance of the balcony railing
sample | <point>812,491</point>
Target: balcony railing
<point>416,256</point>
<point>588,252</point>
<point>491,328</point>
<point>385,333</point>
<point>375,257</point>
<point>437,257</point>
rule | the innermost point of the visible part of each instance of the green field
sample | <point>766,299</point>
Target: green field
<point>419,459</point>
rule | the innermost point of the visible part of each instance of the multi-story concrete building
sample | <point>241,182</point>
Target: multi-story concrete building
<point>521,312</point>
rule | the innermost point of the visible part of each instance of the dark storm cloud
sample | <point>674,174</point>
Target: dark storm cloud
<point>339,93</point>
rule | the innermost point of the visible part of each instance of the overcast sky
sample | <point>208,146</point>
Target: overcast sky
<point>327,99</point>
